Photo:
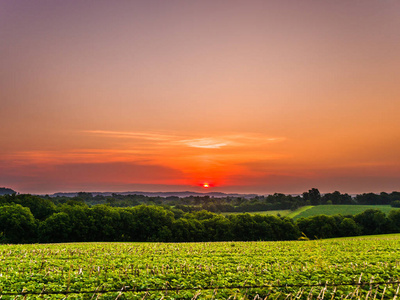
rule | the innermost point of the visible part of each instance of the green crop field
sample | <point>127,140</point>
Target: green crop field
<point>330,269</point>
<point>310,211</point>
<point>298,211</point>
<point>339,209</point>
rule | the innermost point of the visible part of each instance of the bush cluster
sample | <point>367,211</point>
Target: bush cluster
<point>32,219</point>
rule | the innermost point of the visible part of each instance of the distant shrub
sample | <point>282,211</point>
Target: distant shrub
<point>395,203</point>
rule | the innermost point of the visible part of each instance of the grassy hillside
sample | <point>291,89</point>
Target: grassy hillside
<point>309,211</point>
<point>338,209</point>
<point>293,214</point>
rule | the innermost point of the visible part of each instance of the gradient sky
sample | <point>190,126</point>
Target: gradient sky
<point>249,96</point>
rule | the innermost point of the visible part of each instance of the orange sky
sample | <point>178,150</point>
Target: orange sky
<point>249,96</point>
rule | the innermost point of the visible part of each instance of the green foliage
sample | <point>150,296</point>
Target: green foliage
<point>17,224</point>
<point>344,210</point>
<point>279,213</point>
<point>56,228</point>
<point>336,198</point>
<point>395,203</point>
<point>394,219</point>
<point>205,267</point>
<point>313,196</point>
<point>40,207</point>
<point>373,221</point>
<point>103,224</point>
<point>377,199</point>
<point>74,221</point>
<point>267,228</point>
<point>348,227</point>
<point>321,226</point>
<point>151,223</point>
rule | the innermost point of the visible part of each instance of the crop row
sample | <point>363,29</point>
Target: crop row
<point>280,268</point>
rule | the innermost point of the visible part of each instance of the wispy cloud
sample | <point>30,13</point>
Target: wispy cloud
<point>193,157</point>
<point>244,139</point>
<point>231,140</point>
<point>135,135</point>
<point>75,156</point>
<point>207,143</point>
<point>147,148</point>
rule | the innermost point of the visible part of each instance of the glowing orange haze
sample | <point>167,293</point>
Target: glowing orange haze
<point>250,96</point>
<point>214,160</point>
<point>250,162</point>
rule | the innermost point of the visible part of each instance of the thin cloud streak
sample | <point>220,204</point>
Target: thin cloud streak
<point>74,156</point>
<point>212,157</point>
<point>207,142</point>
<point>135,135</point>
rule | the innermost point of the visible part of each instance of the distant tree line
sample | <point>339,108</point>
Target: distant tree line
<point>6,191</point>
<point>32,219</point>
<point>276,201</point>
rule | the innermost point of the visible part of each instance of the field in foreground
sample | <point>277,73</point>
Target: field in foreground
<point>240,270</point>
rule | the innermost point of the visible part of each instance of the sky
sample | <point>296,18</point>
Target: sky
<point>153,95</point>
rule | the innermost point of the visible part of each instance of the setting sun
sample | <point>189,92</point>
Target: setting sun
<point>194,108</point>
